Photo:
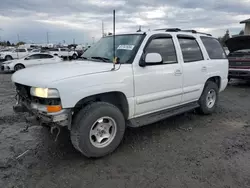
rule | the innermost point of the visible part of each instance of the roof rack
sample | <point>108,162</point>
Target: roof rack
<point>194,31</point>
<point>168,29</point>
<point>178,30</point>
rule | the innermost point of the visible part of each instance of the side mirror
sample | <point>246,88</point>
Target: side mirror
<point>151,59</point>
<point>27,58</point>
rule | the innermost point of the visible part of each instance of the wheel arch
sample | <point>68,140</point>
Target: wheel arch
<point>19,64</point>
<point>8,55</point>
<point>116,98</point>
<point>215,79</point>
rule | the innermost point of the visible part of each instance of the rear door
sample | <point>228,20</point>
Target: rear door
<point>46,59</point>
<point>194,68</point>
<point>22,53</point>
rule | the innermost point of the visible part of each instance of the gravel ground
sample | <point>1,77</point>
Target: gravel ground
<point>184,151</point>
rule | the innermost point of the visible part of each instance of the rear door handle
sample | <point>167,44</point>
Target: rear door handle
<point>204,69</point>
<point>178,72</point>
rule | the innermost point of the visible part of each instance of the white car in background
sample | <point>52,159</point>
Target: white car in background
<point>29,61</point>
<point>14,54</point>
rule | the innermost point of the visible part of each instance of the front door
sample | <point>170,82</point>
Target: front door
<point>158,86</point>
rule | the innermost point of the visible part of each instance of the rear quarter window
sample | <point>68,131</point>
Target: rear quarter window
<point>214,48</point>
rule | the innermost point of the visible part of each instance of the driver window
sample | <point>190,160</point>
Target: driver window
<point>165,47</point>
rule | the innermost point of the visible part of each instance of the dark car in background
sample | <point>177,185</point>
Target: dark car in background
<point>239,57</point>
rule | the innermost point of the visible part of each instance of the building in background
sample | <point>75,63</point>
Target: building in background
<point>247,26</point>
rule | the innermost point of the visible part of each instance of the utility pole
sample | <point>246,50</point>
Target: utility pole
<point>0,35</point>
<point>73,41</point>
<point>102,29</point>
<point>93,38</point>
<point>47,35</point>
<point>18,40</point>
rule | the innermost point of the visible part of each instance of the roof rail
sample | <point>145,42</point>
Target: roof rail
<point>168,29</point>
<point>178,30</point>
<point>194,31</point>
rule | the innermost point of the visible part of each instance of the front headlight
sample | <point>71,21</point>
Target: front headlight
<point>44,92</point>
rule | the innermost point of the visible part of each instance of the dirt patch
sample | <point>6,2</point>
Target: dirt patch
<point>184,151</point>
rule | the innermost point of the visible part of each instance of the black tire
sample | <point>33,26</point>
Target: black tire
<point>82,124</point>
<point>204,106</point>
<point>8,58</point>
<point>74,56</point>
<point>18,67</point>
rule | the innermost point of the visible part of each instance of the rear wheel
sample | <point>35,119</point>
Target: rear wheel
<point>18,67</point>
<point>74,56</point>
<point>209,98</point>
<point>97,129</point>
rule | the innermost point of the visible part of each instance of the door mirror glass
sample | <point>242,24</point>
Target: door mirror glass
<point>153,58</point>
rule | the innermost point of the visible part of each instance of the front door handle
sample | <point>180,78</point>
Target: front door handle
<point>178,72</point>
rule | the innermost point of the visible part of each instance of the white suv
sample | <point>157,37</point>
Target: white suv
<point>64,52</point>
<point>157,74</point>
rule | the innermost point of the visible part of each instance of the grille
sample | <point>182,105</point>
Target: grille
<point>2,68</point>
<point>239,63</point>
<point>23,91</point>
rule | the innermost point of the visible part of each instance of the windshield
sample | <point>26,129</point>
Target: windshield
<point>125,46</point>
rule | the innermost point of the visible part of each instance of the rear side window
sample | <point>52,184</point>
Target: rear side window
<point>20,50</point>
<point>190,50</point>
<point>35,56</point>
<point>165,47</point>
<point>45,56</point>
<point>214,48</point>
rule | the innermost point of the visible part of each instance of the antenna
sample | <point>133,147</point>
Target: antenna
<point>139,30</point>
<point>114,58</point>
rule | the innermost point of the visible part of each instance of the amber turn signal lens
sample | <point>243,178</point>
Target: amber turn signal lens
<point>52,109</point>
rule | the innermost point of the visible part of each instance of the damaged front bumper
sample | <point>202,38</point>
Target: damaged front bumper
<point>62,118</point>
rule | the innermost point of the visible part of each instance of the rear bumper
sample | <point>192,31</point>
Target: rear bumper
<point>239,73</point>
<point>62,118</point>
<point>223,85</point>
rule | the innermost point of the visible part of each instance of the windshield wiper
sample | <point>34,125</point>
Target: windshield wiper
<point>104,59</point>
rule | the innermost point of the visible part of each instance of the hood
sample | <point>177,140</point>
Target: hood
<point>8,52</point>
<point>9,62</point>
<point>238,43</point>
<point>43,75</point>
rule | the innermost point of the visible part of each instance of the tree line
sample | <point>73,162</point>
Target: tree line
<point>8,43</point>
<point>227,36</point>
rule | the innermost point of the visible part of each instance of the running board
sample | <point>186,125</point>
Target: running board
<point>157,116</point>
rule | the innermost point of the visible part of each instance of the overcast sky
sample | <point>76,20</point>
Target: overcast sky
<point>82,19</point>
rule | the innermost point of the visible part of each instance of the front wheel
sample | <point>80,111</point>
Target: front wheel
<point>18,67</point>
<point>209,98</point>
<point>98,129</point>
